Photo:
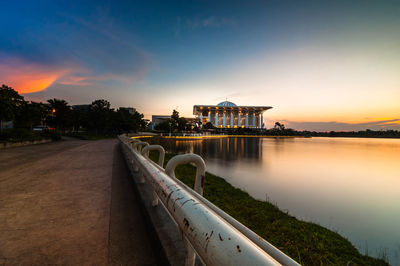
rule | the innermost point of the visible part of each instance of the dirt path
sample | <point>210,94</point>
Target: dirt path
<point>55,205</point>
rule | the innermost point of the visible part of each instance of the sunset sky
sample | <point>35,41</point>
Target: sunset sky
<point>322,65</point>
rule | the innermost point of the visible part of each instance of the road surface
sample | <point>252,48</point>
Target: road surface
<point>71,203</point>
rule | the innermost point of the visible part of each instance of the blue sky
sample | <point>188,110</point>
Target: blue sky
<point>321,64</point>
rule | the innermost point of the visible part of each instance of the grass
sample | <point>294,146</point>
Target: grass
<point>305,242</point>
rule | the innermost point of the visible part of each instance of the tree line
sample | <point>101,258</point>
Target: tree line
<point>96,118</point>
<point>279,129</point>
<point>175,124</point>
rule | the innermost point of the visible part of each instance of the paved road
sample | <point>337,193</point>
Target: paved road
<point>55,205</point>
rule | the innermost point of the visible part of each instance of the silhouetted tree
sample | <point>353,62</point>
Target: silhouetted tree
<point>59,114</point>
<point>79,119</point>
<point>209,125</point>
<point>166,126</point>
<point>279,126</point>
<point>31,114</point>
<point>182,124</point>
<point>100,116</point>
<point>124,121</point>
<point>100,105</point>
<point>175,119</point>
<point>10,102</point>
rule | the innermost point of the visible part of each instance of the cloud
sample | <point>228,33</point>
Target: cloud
<point>72,51</point>
<point>393,124</point>
<point>196,23</point>
<point>79,79</point>
<point>201,22</point>
<point>28,77</point>
<point>208,22</point>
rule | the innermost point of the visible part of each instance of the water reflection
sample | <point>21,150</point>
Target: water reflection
<point>225,149</point>
<point>346,184</point>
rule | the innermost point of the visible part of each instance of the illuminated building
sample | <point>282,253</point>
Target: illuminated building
<point>229,115</point>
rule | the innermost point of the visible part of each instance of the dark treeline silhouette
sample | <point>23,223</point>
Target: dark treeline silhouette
<point>58,116</point>
<point>279,129</point>
<point>176,124</point>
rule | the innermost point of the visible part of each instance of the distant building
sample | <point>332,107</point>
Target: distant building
<point>229,115</point>
<point>157,119</point>
<point>131,110</point>
<point>6,124</point>
<point>83,107</point>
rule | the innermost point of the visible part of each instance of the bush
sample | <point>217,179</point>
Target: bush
<point>52,135</point>
<point>22,134</point>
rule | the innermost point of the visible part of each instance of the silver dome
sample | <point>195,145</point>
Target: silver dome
<point>226,104</point>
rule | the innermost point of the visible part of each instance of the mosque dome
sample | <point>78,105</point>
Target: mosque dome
<point>226,104</point>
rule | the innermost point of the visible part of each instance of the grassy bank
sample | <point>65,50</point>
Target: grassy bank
<point>307,243</point>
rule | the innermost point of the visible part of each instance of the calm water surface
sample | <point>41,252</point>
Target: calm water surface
<point>348,185</point>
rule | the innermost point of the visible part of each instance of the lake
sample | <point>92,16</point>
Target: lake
<point>349,185</point>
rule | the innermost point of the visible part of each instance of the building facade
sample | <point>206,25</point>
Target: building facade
<point>130,110</point>
<point>157,119</point>
<point>229,115</point>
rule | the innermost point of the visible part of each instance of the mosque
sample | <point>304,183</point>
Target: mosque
<point>229,115</point>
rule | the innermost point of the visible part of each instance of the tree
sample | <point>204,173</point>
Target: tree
<point>79,118</point>
<point>175,119</point>
<point>124,121</point>
<point>31,114</point>
<point>279,126</point>
<point>10,102</point>
<point>182,124</point>
<point>165,125</point>
<point>208,125</point>
<point>59,114</point>
<point>100,105</point>
<point>139,121</point>
<point>178,123</point>
<point>100,116</point>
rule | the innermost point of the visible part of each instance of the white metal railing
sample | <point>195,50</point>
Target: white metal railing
<point>216,237</point>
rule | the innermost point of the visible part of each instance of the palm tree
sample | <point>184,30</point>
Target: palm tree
<point>59,114</point>
<point>279,126</point>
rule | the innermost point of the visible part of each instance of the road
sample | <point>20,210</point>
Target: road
<point>71,203</point>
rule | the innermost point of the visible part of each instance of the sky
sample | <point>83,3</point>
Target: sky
<point>321,65</point>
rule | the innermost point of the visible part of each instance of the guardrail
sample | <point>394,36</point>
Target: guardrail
<point>208,232</point>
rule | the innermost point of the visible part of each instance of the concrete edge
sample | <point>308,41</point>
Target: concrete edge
<point>6,145</point>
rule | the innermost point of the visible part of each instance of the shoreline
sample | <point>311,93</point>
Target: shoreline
<point>263,136</point>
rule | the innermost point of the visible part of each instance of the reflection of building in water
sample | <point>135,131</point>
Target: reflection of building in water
<point>224,149</point>
<point>229,115</point>
<point>232,149</point>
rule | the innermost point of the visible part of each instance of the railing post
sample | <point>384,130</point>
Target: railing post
<point>131,144</point>
<point>161,156</point>
<point>138,146</point>
<point>185,159</point>
<point>198,187</point>
<point>159,148</point>
<point>190,259</point>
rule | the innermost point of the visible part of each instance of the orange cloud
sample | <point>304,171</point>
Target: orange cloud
<point>85,80</point>
<point>27,77</point>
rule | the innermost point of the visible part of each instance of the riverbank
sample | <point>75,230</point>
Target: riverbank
<point>307,243</point>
